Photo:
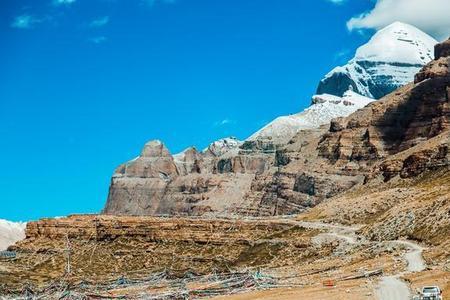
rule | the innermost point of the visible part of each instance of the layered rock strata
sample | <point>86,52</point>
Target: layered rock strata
<point>402,135</point>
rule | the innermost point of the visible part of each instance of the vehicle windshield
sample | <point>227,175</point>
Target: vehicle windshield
<point>430,290</point>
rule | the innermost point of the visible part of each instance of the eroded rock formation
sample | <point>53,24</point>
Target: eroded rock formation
<point>189,183</point>
<point>404,134</point>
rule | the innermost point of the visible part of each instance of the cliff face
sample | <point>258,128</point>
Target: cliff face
<point>406,120</point>
<point>401,145</point>
<point>152,229</point>
<point>402,135</point>
<point>189,183</point>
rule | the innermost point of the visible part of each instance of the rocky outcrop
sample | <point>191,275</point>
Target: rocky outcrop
<point>108,228</point>
<point>438,68</point>
<point>189,161</point>
<point>442,49</point>
<point>189,183</point>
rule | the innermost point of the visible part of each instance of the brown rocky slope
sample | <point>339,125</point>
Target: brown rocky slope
<point>402,143</point>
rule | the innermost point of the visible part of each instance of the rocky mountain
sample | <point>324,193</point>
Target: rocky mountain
<point>158,183</point>
<point>323,109</point>
<point>402,146</point>
<point>10,233</point>
<point>388,61</point>
<point>400,136</point>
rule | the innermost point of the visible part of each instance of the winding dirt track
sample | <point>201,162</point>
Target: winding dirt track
<point>390,287</point>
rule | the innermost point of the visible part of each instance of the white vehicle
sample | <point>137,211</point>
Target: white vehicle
<point>431,293</point>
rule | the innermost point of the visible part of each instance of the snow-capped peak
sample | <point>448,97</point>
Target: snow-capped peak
<point>398,42</point>
<point>388,61</point>
<point>10,233</point>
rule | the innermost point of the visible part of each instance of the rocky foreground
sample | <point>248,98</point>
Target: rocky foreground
<point>95,257</point>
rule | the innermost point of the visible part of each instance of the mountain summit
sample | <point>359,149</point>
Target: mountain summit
<point>388,61</point>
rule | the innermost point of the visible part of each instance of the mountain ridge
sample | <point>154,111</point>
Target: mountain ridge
<point>389,60</point>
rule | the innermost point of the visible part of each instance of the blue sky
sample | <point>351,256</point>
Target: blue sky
<point>84,84</point>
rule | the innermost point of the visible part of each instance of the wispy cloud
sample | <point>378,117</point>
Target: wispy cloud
<point>25,22</point>
<point>429,15</point>
<point>100,22</point>
<point>224,122</point>
<point>98,39</point>
<point>337,1</point>
<point>151,3</point>
<point>63,2</point>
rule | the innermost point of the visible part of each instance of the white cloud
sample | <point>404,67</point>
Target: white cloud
<point>432,16</point>
<point>24,22</point>
<point>224,122</point>
<point>63,2</point>
<point>98,39</point>
<point>337,1</point>
<point>100,22</point>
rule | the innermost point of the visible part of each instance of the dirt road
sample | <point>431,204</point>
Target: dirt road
<point>390,287</point>
<point>393,287</point>
<point>339,232</point>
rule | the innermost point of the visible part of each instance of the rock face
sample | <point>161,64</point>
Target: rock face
<point>388,61</point>
<point>188,183</point>
<point>91,227</point>
<point>407,129</point>
<point>442,49</point>
<point>402,135</point>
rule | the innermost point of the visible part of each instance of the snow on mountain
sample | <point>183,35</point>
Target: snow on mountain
<point>389,60</point>
<point>10,233</point>
<point>398,42</point>
<point>222,146</point>
<point>325,107</point>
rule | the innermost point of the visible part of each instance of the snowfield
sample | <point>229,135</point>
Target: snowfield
<point>398,42</point>
<point>324,108</point>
